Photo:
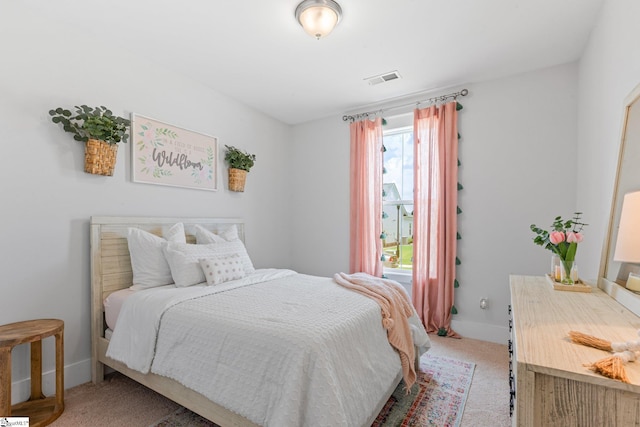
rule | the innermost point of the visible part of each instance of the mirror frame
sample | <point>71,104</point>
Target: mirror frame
<point>617,291</point>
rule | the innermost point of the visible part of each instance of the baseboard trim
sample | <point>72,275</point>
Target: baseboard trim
<point>481,331</point>
<point>74,374</point>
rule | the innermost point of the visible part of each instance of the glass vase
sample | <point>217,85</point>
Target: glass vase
<point>555,267</point>
<point>568,272</point>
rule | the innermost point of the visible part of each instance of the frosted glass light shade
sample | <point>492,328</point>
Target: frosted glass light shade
<point>628,242</point>
<point>318,17</point>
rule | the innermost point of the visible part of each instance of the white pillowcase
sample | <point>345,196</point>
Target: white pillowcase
<point>184,259</point>
<point>204,236</point>
<point>150,268</point>
<point>222,269</point>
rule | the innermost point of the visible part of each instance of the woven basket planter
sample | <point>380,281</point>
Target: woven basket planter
<point>100,157</point>
<point>237,178</point>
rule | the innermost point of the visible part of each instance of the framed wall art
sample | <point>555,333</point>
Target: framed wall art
<point>165,154</point>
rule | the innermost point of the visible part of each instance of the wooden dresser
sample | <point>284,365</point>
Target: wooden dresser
<point>551,385</point>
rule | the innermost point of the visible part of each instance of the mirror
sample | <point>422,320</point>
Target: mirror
<point>613,274</point>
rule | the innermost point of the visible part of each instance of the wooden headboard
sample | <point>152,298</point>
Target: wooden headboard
<point>111,263</point>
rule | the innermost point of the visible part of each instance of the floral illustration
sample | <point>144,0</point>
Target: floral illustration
<point>169,155</point>
<point>153,137</point>
<point>206,172</point>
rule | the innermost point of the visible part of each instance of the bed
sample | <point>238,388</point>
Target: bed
<point>111,272</point>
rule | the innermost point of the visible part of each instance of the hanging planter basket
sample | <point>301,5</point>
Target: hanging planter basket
<point>99,129</point>
<point>237,178</point>
<point>100,157</point>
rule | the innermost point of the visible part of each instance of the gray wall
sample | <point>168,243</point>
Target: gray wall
<point>296,204</point>
<point>511,132</point>
<point>609,70</point>
<point>47,199</point>
<point>554,152</point>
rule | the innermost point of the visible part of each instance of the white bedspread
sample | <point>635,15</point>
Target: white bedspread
<point>279,348</point>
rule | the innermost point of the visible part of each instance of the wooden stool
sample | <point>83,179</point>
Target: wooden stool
<point>41,410</point>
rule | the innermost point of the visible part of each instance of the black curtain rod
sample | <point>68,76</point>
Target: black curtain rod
<point>442,98</point>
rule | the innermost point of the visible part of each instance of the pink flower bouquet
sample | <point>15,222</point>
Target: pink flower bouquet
<point>562,240</point>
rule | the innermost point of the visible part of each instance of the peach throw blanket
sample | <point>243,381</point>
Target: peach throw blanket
<point>396,310</point>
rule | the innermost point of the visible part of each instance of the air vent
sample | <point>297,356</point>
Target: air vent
<point>383,78</point>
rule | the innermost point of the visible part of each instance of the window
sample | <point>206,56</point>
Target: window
<point>397,200</point>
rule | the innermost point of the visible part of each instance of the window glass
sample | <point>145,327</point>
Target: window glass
<point>397,196</point>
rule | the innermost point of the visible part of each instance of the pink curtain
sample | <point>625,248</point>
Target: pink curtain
<point>366,197</point>
<point>434,216</point>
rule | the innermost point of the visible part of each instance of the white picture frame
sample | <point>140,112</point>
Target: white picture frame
<point>165,154</point>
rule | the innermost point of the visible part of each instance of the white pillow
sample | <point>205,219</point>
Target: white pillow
<point>149,266</point>
<point>175,233</point>
<point>184,259</point>
<point>204,236</point>
<point>222,269</point>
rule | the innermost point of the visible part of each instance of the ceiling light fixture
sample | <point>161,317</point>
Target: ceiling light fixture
<point>318,17</point>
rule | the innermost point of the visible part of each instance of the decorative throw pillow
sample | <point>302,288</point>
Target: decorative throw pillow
<point>184,259</point>
<point>149,266</point>
<point>222,269</point>
<point>204,236</point>
<point>237,247</point>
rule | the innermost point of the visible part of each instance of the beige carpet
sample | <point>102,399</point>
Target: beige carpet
<point>121,401</point>
<point>488,401</point>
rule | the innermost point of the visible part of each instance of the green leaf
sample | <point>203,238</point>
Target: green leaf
<point>458,210</point>
<point>458,236</point>
<point>237,158</point>
<point>88,122</point>
<point>442,332</point>
<point>460,187</point>
<point>571,252</point>
<point>454,310</point>
<point>458,261</point>
<point>458,106</point>
<point>456,284</point>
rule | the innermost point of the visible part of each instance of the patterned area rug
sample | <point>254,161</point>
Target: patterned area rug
<point>437,399</point>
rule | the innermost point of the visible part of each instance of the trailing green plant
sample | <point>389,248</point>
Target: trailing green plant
<point>92,123</point>
<point>239,159</point>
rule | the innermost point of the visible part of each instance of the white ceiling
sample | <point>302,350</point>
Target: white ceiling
<point>255,51</point>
